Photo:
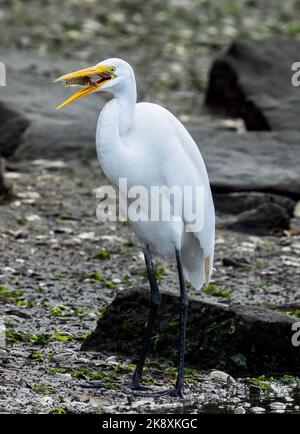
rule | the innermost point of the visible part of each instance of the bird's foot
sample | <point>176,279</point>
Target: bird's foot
<point>134,385</point>
<point>174,392</point>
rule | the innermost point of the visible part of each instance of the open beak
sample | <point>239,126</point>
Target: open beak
<point>89,79</point>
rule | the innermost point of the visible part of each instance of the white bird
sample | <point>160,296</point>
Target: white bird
<point>148,146</point>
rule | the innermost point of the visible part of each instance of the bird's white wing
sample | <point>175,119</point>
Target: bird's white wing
<point>173,159</point>
<point>197,174</point>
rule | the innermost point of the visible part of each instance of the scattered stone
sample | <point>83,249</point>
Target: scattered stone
<point>62,377</point>
<point>222,378</point>
<point>50,164</point>
<point>63,230</point>
<point>33,218</point>
<point>297,210</point>
<point>289,399</point>
<point>100,401</point>
<point>235,263</point>
<point>239,410</point>
<point>18,313</point>
<point>75,241</point>
<point>258,410</point>
<point>87,236</point>
<point>278,406</point>
<point>34,195</point>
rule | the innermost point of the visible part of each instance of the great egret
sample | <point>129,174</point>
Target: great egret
<point>148,146</point>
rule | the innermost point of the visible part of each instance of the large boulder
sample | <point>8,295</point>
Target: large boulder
<point>242,340</point>
<point>239,202</point>
<point>254,212</point>
<point>266,219</point>
<point>251,68</point>
<point>254,161</point>
<point>68,133</point>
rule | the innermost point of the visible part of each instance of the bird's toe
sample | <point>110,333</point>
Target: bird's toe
<point>137,386</point>
<point>175,392</point>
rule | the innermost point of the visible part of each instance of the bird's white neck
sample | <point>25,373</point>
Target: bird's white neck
<point>126,98</point>
<point>114,121</point>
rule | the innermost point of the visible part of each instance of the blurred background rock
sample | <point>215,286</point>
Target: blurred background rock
<point>176,38</point>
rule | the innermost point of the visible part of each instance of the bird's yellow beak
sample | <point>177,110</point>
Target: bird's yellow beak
<point>90,79</point>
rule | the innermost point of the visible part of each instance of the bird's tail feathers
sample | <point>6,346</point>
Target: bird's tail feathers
<point>208,267</point>
<point>197,267</point>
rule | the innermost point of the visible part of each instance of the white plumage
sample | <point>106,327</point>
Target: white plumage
<point>145,144</point>
<point>148,146</point>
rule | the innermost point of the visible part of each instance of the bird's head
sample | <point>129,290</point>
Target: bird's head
<point>110,75</point>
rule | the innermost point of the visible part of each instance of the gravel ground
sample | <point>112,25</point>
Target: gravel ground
<point>60,267</point>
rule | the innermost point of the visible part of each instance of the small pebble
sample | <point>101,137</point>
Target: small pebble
<point>62,377</point>
<point>239,410</point>
<point>278,406</point>
<point>289,399</point>
<point>258,410</point>
<point>222,378</point>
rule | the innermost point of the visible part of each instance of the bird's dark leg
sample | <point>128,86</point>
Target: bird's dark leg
<point>155,303</point>
<point>178,390</point>
<point>183,318</point>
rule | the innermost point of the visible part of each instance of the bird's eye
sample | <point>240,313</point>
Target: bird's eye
<point>112,69</point>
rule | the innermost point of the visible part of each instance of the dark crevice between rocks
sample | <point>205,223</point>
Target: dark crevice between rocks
<point>242,340</point>
<point>224,94</point>
<point>254,118</point>
<point>252,81</point>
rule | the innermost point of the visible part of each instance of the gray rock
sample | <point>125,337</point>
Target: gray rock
<point>12,127</point>
<point>265,113</point>
<point>239,410</point>
<point>6,190</point>
<point>236,203</point>
<point>51,134</point>
<point>258,410</point>
<point>222,378</point>
<point>263,220</point>
<point>278,406</point>
<point>251,68</point>
<point>237,339</point>
<point>255,161</point>
<point>235,263</point>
